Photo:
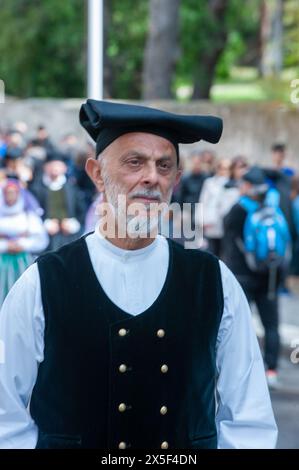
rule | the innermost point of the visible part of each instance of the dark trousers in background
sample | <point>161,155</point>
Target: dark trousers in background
<point>268,311</point>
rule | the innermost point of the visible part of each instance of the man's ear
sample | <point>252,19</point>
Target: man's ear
<point>93,169</point>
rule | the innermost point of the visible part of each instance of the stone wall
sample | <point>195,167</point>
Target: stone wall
<point>249,128</point>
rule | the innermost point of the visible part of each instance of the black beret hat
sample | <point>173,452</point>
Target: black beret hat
<point>254,175</point>
<point>105,121</point>
<point>13,153</point>
<point>55,155</point>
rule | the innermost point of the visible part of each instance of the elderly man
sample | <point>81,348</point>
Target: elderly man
<point>125,341</point>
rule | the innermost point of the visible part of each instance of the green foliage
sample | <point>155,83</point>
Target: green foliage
<point>234,50</point>
<point>43,44</point>
<point>197,28</point>
<point>41,47</point>
<point>291,36</point>
<point>126,41</point>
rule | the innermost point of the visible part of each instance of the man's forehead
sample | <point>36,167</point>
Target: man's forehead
<point>143,143</point>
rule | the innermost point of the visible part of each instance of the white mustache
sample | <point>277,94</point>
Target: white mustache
<point>147,193</point>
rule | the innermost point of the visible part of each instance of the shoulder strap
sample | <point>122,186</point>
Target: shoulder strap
<point>249,204</point>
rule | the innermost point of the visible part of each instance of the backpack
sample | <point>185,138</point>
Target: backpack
<point>266,243</point>
<point>266,235</point>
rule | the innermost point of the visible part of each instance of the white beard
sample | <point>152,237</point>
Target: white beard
<point>141,225</point>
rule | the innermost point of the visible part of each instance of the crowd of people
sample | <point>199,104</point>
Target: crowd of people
<point>250,220</point>
<point>47,200</point>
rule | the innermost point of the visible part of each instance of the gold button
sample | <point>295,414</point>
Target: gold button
<point>163,410</point>
<point>164,445</point>
<point>122,445</point>
<point>122,368</point>
<point>164,368</point>
<point>122,407</point>
<point>161,333</point>
<point>122,332</point>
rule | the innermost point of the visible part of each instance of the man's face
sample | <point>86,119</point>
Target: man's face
<point>11,194</point>
<point>42,133</point>
<point>245,188</point>
<point>55,169</point>
<point>207,161</point>
<point>196,164</point>
<point>140,166</point>
<point>12,164</point>
<point>278,157</point>
<point>223,168</point>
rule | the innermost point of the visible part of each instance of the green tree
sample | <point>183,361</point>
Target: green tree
<point>161,51</point>
<point>42,47</point>
<point>126,42</point>
<point>291,37</point>
<point>213,38</point>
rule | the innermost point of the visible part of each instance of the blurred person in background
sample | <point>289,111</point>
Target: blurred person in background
<point>42,139</point>
<point>208,162</point>
<point>20,127</point>
<point>14,165</point>
<point>192,181</point>
<point>62,202</point>
<point>279,177</point>
<point>231,195</point>
<point>21,234</point>
<point>256,284</point>
<point>80,176</point>
<point>15,139</point>
<point>191,185</point>
<point>295,209</point>
<point>239,166</point>
<point>3,147</point>
<point>211,199</point>
<point>34,158</point>
<point>68,145</point>
<point>278,157</point>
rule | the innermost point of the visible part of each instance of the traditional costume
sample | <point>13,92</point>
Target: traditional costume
<point>146,348</point>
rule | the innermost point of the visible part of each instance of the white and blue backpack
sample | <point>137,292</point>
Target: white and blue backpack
<point>266,237</point>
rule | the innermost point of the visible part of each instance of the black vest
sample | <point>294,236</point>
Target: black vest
<point>110,379</point>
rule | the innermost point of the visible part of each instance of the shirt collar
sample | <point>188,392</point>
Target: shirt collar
<point>111,249</point>
<point>54,185</point>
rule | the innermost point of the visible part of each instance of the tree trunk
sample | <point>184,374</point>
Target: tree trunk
<point>207,60</point>
<point>161,50</point>
<point>271,38</point>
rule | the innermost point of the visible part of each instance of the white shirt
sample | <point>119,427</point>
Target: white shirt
<point>26,228</point>
<point>133,280</point>
<point>211,198</point>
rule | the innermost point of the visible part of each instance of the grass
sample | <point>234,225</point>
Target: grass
<point>245,85</point>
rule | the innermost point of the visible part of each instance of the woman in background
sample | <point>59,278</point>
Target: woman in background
<point>21,234</point>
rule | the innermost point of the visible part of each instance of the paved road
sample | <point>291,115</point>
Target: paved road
<point>285,399</point>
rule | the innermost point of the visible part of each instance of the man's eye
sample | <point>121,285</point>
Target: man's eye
<point>134,162</point>
<point>165,165</point>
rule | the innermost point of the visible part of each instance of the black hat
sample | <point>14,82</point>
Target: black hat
<point>256,177</point>
<point>13,153</point>
<point>55,155</point>
<point>105,121</point>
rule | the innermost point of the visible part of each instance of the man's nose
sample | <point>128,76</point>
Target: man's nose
<point>150,175</point>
